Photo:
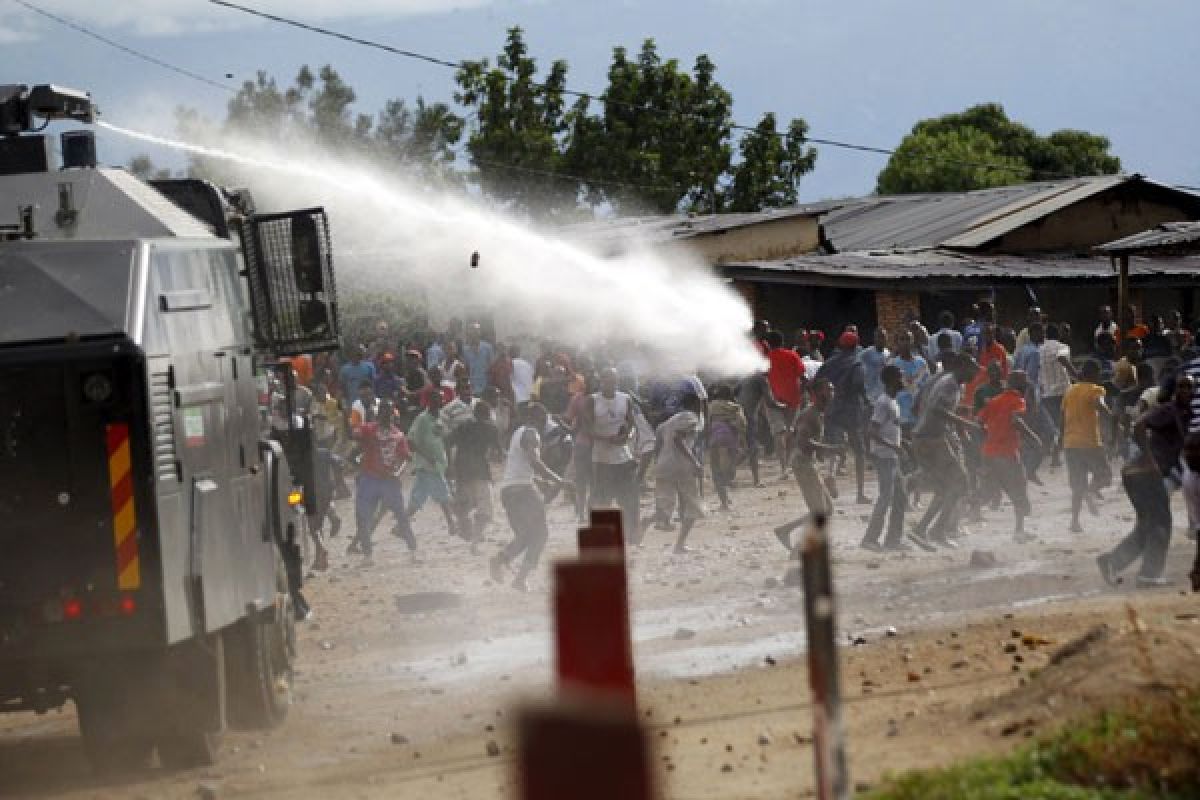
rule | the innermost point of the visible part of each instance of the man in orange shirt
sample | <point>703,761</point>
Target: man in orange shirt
<point>303,367</point>
<point>1003,426</point>
<point>1087,464</point>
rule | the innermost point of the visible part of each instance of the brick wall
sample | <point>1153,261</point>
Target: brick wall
<point>891,308</point>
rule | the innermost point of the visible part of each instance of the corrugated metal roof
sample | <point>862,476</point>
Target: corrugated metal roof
<point>659,229</point>
<point>1168,236</point>
<point>941,266</point>
<point>933,220</point>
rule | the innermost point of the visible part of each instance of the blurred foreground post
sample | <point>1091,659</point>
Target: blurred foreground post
<point>583,752</point>
<point>828,747</point>
<point>601,539</point>
<point>590,744</point>
<point>594,654</point>
<point>611,518</point>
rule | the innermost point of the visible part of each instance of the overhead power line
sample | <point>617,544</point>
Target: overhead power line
<point>455,65</point>
<point>158,62</point>
<point>442,62</point>
<point>565,176</point>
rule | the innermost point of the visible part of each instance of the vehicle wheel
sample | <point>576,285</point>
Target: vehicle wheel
<point>116,738</point>
<point>260,658</point>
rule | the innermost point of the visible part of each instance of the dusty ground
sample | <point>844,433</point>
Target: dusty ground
<point>410,670</point>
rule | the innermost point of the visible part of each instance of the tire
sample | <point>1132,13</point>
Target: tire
<point>260,656</point>
<point>116,737</point>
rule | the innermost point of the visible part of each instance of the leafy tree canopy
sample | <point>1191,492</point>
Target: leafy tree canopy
<point>319,108</point>
<point>981,147</point>
<point>659,138</point>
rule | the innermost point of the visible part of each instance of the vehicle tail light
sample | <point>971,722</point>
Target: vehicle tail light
<point>72,609</point>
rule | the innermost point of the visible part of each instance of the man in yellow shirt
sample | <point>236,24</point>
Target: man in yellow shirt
<point>1087,465</point>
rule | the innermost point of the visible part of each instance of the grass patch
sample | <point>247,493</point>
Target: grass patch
<point>1146,751</point>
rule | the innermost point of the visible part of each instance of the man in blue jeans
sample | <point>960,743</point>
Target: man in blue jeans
<point>427,438</point>
<point>385,452</point>
<point>883,437</point>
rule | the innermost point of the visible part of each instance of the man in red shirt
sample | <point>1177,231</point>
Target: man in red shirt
<point>435,383</point>
<point>786,377</point>
<point>1003,424</point>
<point>992,351</point>
<point>384,454</point>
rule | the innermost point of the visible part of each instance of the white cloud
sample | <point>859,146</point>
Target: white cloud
<point>176,17</point>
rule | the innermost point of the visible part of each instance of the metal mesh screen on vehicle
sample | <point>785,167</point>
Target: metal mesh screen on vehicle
<point>289,267</point>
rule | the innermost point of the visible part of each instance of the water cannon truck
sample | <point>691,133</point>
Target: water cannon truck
<point>151,532</point>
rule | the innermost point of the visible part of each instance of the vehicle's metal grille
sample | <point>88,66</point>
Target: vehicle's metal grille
<point>166,460</point>
<point>293,295</point>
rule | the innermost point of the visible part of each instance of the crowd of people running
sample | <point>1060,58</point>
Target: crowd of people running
<point>950,422</point>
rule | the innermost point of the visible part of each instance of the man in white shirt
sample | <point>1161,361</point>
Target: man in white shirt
<point>608,419</point>
<point>1055,373</point>
<point>883,435</point>
<point>523,504</point>
<point>522,376</point>
<point>946,320</point>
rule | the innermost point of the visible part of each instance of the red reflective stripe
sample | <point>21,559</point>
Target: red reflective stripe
<point>127,552</point>
<point>124,512</point>
<point>117,434</point>
<point>122,493</point>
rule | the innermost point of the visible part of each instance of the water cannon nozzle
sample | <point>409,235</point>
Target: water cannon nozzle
<point>19,104</point>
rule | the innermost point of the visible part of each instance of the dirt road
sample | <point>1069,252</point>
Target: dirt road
<point>410,670</point>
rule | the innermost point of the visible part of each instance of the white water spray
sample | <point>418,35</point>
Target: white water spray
<point>393,238</point>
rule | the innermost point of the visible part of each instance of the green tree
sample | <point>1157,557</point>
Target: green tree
<point>771,165</point>
<point>663,133</point>
<point>949,161</point>
<point>318,108</point>
<point>261,107</point>
<point>1071,152</point>
<point>516,144</point>
<point>330,117</point>
<point>982,147</point>
<point>421,139</point>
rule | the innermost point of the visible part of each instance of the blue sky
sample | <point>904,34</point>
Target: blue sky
<point>856,70</point>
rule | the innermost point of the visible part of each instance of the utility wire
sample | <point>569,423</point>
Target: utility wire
<point>125,49</point>
<point>442,62</point>
<point>197,77</point>
<point>662,187</point>
<point>456,65</point>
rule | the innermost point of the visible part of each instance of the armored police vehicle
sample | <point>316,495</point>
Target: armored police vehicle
<point>150,547</point>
